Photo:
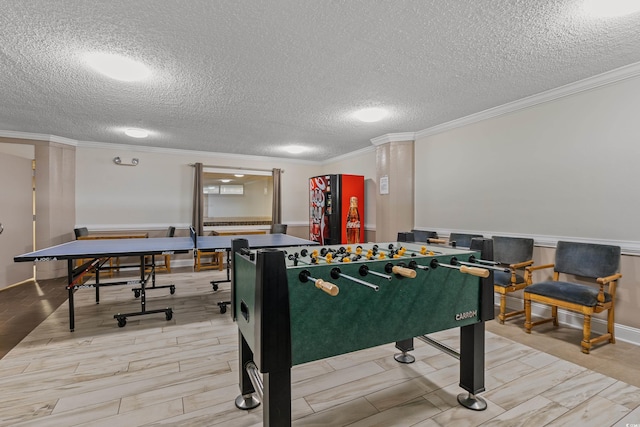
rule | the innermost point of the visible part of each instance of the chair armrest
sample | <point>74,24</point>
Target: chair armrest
<point>539,267</point>
<point>608,279</point>
<point>521,264</point>
<point>528,276</point>
<point>605,281</point>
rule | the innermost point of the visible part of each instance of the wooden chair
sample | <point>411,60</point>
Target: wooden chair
<point>200,261</point>
<point>81,232</point>
<point>461,239</point>
<point>279,228</point>
<point>514,254</point>
<point>426,236</point>
<point>584,260</point>
<point>171,231</point>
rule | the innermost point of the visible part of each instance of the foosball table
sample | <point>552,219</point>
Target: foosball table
<point>300,304</point>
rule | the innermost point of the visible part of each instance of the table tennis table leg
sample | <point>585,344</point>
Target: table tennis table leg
<point>223,304</point>
<point>214,283</point>
<point>122,317</point>
<point>70,289</point>
<point>136,291</point>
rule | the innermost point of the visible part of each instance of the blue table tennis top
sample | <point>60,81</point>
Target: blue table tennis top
<point>100,248</point>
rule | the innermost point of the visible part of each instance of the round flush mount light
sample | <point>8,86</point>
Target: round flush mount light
<point>136,133</point>
<point>295,149</point>
<point>118,67</point>
<point>370,115</point>
<point>611,8</point>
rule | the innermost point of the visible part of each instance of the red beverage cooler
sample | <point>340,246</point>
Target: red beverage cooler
<point>336,209</point>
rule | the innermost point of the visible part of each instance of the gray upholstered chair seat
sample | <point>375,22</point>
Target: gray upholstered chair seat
<point>569,292</point>
<point>502,278</point>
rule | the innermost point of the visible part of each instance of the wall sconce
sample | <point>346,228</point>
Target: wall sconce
<point>118,161</point>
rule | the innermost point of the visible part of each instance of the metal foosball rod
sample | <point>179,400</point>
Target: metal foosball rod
<point>413,264</point>
<point>336,274</point>
<point>472,258</point>
<point>423,250</point>
<point>474,271</point>
<point>327,287</point>
<point>364,270</point>
<point>315,255</point>
<point>295,258</point>
<point>454,261</point>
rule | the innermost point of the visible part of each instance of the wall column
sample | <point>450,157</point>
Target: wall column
<point>55,202</point>
<point>395,209</point>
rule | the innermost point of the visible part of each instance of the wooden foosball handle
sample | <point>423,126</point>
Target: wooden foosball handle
<point>436,241</point>
<point>329,288</point>
<point>404,272</point>
<point>475,271</point>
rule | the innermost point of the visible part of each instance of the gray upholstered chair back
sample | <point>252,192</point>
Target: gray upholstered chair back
<point>423,236</point>
<point>279,228</point>
<point>587,259</point>
<point>462,240</point>
<point>171,231</point>
<point>81,231</point>
<point>512,250</point>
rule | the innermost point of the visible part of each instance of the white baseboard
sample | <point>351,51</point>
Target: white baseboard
<point>574,320</point>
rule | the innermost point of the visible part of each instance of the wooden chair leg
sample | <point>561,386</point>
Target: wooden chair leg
<point>503,308</point>
<point>527,314</point>
<point>611,326</point>
<point>586,334</point>
<point>554,315</point>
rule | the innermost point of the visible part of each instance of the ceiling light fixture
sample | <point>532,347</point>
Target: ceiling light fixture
<point>225,180</point>
<point>136,133</point>
<point>238,175</point>
<point>611,8</point>
<point>118,67</point>
<point>370,115</point>
<point>295,149</point>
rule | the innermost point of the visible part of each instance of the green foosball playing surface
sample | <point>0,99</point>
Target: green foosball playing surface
<point>358,316</point>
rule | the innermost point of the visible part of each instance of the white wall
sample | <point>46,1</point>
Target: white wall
<point>158,191</point>
<point>20,150</point>
<point>563,168</point>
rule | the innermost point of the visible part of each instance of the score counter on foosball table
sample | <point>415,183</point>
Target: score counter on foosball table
<point>297,305</point>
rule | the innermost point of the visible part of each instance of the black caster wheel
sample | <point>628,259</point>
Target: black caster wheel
<point>215,286</point>
<point>169,315</point>
<point>172,289</point>
<point>122,321</point>
<point>223,308</point>
<point>136,294</point>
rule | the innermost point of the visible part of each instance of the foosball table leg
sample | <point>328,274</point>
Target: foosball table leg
<point>247,399</point>
<point>472,366</point>
<point>404,346</point>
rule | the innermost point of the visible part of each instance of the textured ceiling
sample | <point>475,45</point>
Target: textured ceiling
<point>249,76</point>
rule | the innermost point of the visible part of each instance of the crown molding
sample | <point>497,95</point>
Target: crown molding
<point>347,156</point>
<point>609,77</point>
<point>393,137</point>
<point>38,137</point>
<point>178,151</point>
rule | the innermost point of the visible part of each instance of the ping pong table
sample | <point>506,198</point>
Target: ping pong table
<point>98,252</point>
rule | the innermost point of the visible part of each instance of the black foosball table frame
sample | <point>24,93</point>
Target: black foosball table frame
<point>262,296</point>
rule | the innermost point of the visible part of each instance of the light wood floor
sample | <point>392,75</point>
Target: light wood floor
<point>184,372</point>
